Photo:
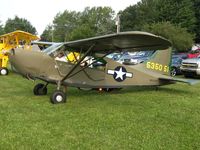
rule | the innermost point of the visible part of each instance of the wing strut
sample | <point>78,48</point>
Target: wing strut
<point>78,63</point>
<point>88,65</point>
<point>91,63</point>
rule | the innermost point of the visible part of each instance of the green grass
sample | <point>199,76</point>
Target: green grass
<point>136,118</point>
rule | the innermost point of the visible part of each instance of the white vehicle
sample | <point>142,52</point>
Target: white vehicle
<point>190,67</point>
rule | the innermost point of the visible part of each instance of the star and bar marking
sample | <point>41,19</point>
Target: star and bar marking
<point>120,73</point>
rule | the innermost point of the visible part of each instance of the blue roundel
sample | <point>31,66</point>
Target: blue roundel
<point>119,74</point>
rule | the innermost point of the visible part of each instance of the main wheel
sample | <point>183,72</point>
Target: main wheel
<point>58,96</point>
<point>173,72</point>
<point>40,89</point>
<point>4,71</point>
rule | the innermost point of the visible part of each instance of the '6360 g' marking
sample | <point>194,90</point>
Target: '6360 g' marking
<point>157,66</point>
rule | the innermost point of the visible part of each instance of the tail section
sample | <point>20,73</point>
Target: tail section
<point>159,62</point>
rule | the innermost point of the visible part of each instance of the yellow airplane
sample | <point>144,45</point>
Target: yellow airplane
<point>11,40</point>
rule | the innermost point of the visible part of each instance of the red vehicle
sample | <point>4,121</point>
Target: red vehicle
<point>194,54</point>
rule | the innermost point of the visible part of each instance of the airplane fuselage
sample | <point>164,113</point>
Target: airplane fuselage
<point>36,64</point>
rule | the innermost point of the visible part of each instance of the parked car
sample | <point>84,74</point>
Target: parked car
<point>127,60</point>
<point>135,58</point>
<point>111,55</point>
<point>117,56</point>
<point>193,54</point>
<point>191,67</point>
<point>175,65</point>
<point>181,55</point>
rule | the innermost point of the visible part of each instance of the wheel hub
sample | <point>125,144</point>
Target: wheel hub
<point>3,72</point>
<point>59,98</point>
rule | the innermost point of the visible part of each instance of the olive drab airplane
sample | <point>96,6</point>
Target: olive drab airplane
<point>12,40</point>
<point>52,66</point>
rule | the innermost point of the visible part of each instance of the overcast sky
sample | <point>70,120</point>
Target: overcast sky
<point>41,12</point>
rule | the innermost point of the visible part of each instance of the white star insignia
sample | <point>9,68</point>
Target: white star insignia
<point>120,74</point>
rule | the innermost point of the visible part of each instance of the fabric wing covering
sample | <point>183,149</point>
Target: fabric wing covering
<point>134,41</point>
<point>131,41</point>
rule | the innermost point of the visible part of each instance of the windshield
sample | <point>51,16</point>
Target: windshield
<point>143,53</point>
<point>54,47</point>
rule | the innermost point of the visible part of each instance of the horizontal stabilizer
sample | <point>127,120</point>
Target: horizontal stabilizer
<point>188,81</point>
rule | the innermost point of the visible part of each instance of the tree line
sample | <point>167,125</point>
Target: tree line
<point>17,24</point>
<point>176,20</point>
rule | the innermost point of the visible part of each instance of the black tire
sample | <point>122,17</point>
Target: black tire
<point>58,96</point>
<point>4,71</point>
<point>173,72</point>
<point>40,89</point>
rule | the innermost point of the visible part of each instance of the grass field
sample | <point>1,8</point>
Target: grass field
<point>136,118</point>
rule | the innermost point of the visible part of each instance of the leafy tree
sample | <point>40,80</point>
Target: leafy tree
<point>179,15</point>
<point>99,19</point>
<point>77,25</point>
<point>129,18</point>
<point>147,12</point>
<point>63,24</point>
<point>197,14</point>
<point>47,34</point>
<point>83,31</point>
<point>179,12</point>
<point>134,17</point>
<point>1,29</point>
<point>19,24</point>
<point>181,39</point>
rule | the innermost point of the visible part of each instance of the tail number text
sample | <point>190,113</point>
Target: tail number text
<point>157,66</point>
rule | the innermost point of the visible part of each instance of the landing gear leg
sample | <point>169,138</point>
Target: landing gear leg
<point>59,95</point>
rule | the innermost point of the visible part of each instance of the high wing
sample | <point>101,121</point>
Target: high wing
<point>132,41</point>
<point>20,35</point>
<point>123,40</point>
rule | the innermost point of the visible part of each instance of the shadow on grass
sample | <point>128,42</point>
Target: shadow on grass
<point>141,89</point>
